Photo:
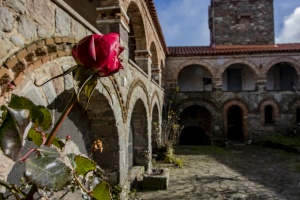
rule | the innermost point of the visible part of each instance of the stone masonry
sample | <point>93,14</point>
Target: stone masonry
<point>241,22</point>
<point>36,37</point>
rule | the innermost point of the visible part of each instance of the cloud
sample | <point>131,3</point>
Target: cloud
<point>290,32</point>
<point>184,23</point>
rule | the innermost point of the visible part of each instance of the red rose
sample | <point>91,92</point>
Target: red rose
<point>99,53</point>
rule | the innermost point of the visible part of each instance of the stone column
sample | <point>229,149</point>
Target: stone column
<point>261,83</point>
<point>217,84</point>
<point>156,75</point>
<point>114,19</point>
<point>143,60</point>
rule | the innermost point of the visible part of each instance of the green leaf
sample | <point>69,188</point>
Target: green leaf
<point>49,151</point>
<point>72,156</point>
<point>40,115</point>
<point>18,102</point>
<point>12,130</point>
<point>57,142</point>
<point>48,172</point>
<point>81,77</point>
<point>102,191</point>
<point>89,88</point>
<point>84,165</point>
<point>35,136</point>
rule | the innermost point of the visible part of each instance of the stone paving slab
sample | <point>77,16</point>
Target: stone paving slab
<point>239,172</point>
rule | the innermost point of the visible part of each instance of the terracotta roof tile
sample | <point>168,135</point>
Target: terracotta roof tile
<point>232,49</point>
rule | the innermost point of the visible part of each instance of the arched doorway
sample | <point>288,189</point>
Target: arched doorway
<point>194,135</point>
<point>235,124</point>
<point>196,121</point>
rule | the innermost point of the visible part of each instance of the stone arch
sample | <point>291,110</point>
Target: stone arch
<point>189,62</point>
<point>133,86</point>
<point>139,137</point>
<point>47,58</point>
<point>197,126</point>
<point>275,106</point>
<point>194,78</point>
<point>155,112</point>
<point>155,68</point>
<point>294,63</point>
<point>294,109</point>
<point>137,29</point>
<point>155,126</point>
<point>24,61</point>
<point>120,97</point>
<point>138,122</point>
<point>163,73</point>
<point>248,63</point>
<point>155,100</point>
<point>181,106</point>
<point>103,121</point>
<point>245,112</point>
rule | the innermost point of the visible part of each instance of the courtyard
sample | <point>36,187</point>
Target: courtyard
<point>236,172</point>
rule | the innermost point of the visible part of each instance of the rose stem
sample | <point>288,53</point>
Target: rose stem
<point>66,111</point>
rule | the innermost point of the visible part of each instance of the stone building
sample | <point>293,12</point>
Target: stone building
<point>36,37</point>
<point>241,86</point>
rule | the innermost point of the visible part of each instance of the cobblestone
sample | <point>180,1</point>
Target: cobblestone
<point>241,172</point>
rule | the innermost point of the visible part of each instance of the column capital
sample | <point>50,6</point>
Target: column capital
<point>111,15</point>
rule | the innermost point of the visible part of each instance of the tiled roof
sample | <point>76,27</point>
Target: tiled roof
<point>154,16</point>
<point>232,49</point>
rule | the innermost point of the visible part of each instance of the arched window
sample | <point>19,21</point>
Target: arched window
<point>269,115</point>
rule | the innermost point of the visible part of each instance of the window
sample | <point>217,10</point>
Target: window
<point>269,115</point>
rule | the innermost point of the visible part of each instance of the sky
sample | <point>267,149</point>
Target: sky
<point>185,22</point>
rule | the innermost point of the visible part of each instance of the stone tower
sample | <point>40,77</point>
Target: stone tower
<point>241,22</point>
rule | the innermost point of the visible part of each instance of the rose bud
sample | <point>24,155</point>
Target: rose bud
<point>99,53</point>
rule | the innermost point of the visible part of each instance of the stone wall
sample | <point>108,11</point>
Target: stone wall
<point>252,102</point>
<point>241,22</point>
<point>36,38</point>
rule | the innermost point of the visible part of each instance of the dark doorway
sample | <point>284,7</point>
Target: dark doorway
<point>194,135</point>
<point>235,124</point>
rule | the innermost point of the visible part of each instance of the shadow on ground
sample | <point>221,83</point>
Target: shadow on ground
<point>235,172</point>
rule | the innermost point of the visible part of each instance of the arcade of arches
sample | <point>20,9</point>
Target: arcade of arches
<point>237,94</point>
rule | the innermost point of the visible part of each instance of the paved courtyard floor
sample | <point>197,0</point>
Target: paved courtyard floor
<point>239,172</point>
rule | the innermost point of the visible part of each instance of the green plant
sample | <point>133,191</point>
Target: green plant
<point>47,170</point>
<point>292,141</point>
<point>96,56</point>
<point>171,158</point>
<point>167,133</point>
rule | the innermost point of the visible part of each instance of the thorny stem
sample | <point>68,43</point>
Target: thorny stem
<point>66,111</point>
<point>80,184</point>
<point>24,158</point>
<point>48,142</point>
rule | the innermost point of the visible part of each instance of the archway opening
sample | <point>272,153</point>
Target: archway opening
<point>282,76</point>
<point>155,126</point>
<point>194,78</point>
<point>103,124</point>
<point>197,122</point>
<point>194,135</point>
<point>235,124</point>
<point>138,136</point>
